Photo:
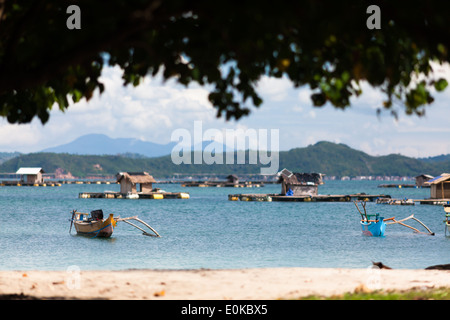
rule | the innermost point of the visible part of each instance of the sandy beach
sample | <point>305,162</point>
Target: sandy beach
<point>205,284</point>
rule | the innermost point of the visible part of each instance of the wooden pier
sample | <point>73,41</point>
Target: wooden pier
<point>306,198</point>
<point>118,195</point>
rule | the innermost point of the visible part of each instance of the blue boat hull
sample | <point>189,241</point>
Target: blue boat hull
<point>373,229</point>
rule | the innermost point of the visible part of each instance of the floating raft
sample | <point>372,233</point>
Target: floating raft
<point>402,186</point>
<point>306,198</point>
<point>433,201</point>
<point>118,195</point>
<point>88,182</point>
<point>400,202</point>
<point>24,184</point>
<point>222,184</point>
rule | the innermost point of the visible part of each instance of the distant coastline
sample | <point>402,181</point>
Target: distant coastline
<point>336,161</point>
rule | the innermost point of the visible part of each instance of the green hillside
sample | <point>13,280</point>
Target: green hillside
<point>325,157</point>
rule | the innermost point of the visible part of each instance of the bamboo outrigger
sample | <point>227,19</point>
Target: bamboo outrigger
<point>94,225</point>
<point>375,225</point>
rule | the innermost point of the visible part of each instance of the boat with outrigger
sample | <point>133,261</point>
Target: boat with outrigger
<point>447,218</point>
<point>94,225</point>
<point>374,225</point>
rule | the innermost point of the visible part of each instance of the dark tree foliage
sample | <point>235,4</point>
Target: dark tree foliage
<point>227,45</point>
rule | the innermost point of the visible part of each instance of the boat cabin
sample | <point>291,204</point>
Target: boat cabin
<point>299,184</point>
<point>134,182</point>
<point>440,186</point>
<point>30,175</point>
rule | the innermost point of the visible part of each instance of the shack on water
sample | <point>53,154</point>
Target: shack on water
<point>299,184</point>
<point>421,179</point>
<point>440,186</point>
<point>134,182</point>
<point>30,175</point>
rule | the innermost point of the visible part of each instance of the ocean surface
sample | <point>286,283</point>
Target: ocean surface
<point>208,231</point>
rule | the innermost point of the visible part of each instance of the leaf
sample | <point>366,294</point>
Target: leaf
<point>441,84</point>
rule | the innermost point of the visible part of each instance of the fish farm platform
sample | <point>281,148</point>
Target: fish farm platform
<point>433,201</point>
<point>306,198</point>
<point>222,184</point>
<point>24,184</point>
<point>118,195</point>
<point>402,186</point>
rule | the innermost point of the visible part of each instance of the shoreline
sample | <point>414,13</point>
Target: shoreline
<point>213,284</point>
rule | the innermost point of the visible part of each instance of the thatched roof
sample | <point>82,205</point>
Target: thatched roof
<point>136,177</point>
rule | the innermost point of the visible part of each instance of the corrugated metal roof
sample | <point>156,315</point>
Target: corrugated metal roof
<point>439,179</point>
<point>26,170</point>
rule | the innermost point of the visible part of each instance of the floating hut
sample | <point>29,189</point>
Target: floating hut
<point>303,187</point>
<point>135,185</point>
<point>421,179</point>
<point>232,178</point>
<point>131,181</point>
<point>440,186</point>
<point>299,184</point>
<point>232,181</point>
<point>30,175</point>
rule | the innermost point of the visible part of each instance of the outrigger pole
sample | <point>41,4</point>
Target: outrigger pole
<point>400,222</point>
<point>364,206</point>
<point>145,233</point>
<point>71,221</point>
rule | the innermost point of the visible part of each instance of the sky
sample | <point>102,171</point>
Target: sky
<point>155,109</point>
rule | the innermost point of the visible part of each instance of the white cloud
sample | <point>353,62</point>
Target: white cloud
<point>275,89</point>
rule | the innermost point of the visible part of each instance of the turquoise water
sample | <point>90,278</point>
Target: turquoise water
<point>208,231</point>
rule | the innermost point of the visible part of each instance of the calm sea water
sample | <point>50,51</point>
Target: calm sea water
<point>208,231</point>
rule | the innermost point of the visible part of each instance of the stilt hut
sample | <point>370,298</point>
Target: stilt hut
<point>31,175</point>
<point>134,182</point>
<point>299,184</point>
<point>420,180</point>
<point>440,186</point>
<point>232,178</point>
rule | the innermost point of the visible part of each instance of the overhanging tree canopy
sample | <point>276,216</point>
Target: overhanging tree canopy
<point>226,44</point>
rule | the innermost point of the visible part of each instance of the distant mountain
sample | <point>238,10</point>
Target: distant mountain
<point>4,156</point>
<point>341,160</point>
<point>325,157</point>
<point>100,144</point>
<point>440,158</point>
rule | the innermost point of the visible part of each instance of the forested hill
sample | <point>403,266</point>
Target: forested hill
<point>324,157</point>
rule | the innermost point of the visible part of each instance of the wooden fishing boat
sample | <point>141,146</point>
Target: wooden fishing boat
<point>94,225</point>
<point>372,225</point>
<point>375,225</point>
